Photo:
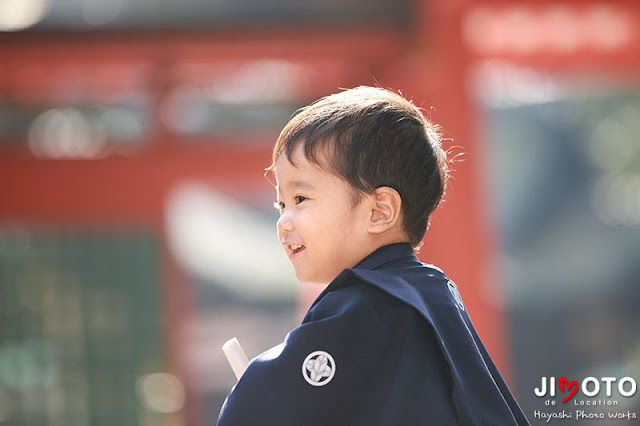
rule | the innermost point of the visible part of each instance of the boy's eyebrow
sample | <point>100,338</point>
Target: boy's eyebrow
<point>300,184</point>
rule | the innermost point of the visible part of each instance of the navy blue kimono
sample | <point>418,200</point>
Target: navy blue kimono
<point>388,342</point>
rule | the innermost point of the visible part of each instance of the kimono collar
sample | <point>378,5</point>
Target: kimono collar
<point>376,260</point>
<point>385,255</point>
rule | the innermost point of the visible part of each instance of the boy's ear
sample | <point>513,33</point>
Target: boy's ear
<point>386,210</point>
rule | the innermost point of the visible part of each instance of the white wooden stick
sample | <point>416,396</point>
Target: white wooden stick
<point>236,357</point>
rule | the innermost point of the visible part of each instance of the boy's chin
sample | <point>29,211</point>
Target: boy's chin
<point>311,279</point>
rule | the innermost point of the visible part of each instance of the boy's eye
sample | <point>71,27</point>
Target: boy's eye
<point>279,205</point>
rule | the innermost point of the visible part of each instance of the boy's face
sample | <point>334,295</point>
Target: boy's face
<point>320,230</point>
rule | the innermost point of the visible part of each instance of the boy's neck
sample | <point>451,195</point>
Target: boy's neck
<point>382,240</point>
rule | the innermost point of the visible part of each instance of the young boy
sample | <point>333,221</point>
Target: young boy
<point>389,341</point>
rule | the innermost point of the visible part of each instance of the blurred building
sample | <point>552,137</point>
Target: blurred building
<point>136,233</point>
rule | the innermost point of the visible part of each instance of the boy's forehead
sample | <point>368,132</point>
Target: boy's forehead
<point>301,174</point>
<point>299,171</point>
<point>317,158</point>
<point>294,178</point>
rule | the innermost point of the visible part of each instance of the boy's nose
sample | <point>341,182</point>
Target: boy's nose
<point>285,224</point>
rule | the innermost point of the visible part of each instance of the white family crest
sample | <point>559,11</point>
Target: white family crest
<point>318,368</point>
<point>456,294</point>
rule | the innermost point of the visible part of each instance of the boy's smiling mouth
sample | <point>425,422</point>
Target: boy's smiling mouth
<point>294,249</point>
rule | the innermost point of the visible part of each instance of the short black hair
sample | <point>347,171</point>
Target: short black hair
<point>373,137</point>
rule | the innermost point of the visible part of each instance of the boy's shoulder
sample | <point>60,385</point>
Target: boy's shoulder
<point>357,303</point>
